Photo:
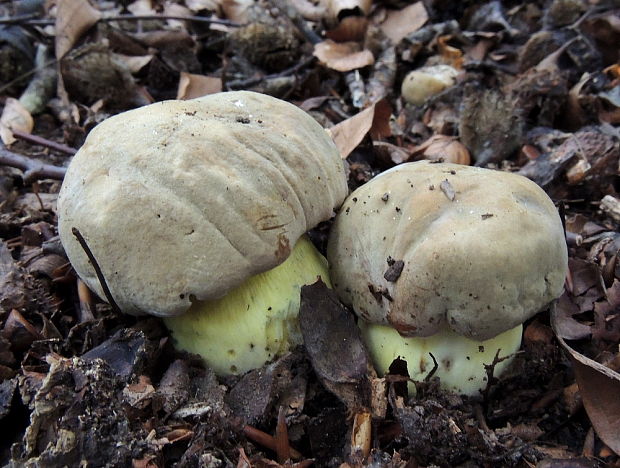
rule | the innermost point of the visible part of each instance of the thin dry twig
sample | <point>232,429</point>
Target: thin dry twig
<point>93,261</point>
<point>283,449</point>
<point>32,169</point>
<point>267,440</point>
<point>32,20</point>
<point>37,140</point>
<point>240,84</point>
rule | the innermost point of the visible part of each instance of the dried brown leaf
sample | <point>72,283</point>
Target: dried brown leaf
<point>599,387</point>
<point>236,10</point>
<point>14,117</point>
<point>192,86</point>
<point>566,326</point>
<point>344,56</point>
<point>349,133</point>
<point>399,23</point>
<point>445,148</point>
<point>73,18</point>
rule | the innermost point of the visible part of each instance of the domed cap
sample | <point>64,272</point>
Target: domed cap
<point>427,245</point>
<point>186,199</point>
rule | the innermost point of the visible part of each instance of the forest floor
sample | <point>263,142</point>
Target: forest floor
<point>528,87</point>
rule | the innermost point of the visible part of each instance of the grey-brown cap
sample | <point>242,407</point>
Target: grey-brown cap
<point>186,199</point>
<point>427,245</point>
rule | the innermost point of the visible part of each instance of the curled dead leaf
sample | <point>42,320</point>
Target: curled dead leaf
<point>73,18</point>
<point>350,132</point>
<point>344,56</point>
<point>400,23</point>
<point>599,387</point>
<point>14,117</point>
<point>445,148</point>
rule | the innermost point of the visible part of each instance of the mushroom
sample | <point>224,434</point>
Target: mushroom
<point>181,202</point>
<point>427,81</point>
<point>449,260</point>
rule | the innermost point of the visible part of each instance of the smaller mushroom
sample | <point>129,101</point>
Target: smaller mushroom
<point>451,264</point>
<point>425,82</point>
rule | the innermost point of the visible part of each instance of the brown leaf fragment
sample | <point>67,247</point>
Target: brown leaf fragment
<point>192,86</point>
<point>252,399</point>
<point>599,387</point>
<point>127,353</point>
<point>73,19</point>
<point>344,56</point>
<point>349,133</point>
<point>395,268</point>
<point>14,117</point>
<point>400,23</point>
<point>447,189</point>
<point>329,332</point>
<point>173,390</point>
<point>12,288</point>
<point>566,326</point>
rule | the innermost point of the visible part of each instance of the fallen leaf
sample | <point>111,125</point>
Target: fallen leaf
<point>400,23</point>
<point>344,56</point>
<point>565,325</point>
<point>329,333</point>
<point>599,387</point>
<point>192,86</point>
<point>236,10</point>
<point>445,148</point>
<point>134,63</point>
<point>141,8</point>
<point>73,19</point>
<point>349,133</point>
<point>14,117</point>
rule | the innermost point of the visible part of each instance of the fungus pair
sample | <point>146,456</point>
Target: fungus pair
<point>191,209</point>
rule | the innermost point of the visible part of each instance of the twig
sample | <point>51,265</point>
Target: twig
<point>37,140</point>
<point>98,272</point>
<point>32,169</point>
<point>239,84</point>
<point>267,440</point>
<point>283,449</point>
<point>33,21</point>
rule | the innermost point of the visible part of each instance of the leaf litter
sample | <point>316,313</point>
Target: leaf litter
<point>537,93</point>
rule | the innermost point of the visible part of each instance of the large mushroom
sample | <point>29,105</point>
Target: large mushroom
<point>449,260</point>
<point>181,202</point>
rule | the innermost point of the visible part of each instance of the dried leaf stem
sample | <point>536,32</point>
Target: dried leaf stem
<point>106,291</point>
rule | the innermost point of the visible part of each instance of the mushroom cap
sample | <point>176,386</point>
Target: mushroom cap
<point>184,200</point>
<point>481,250</point>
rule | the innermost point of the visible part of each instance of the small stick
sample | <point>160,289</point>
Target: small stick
<point>267,440</point>
<point>283,449</point>
<point>238,84</point>
<point>33,169</point>
<point>32,20</point>
<point>108,295</point>
<point>37,140</point>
